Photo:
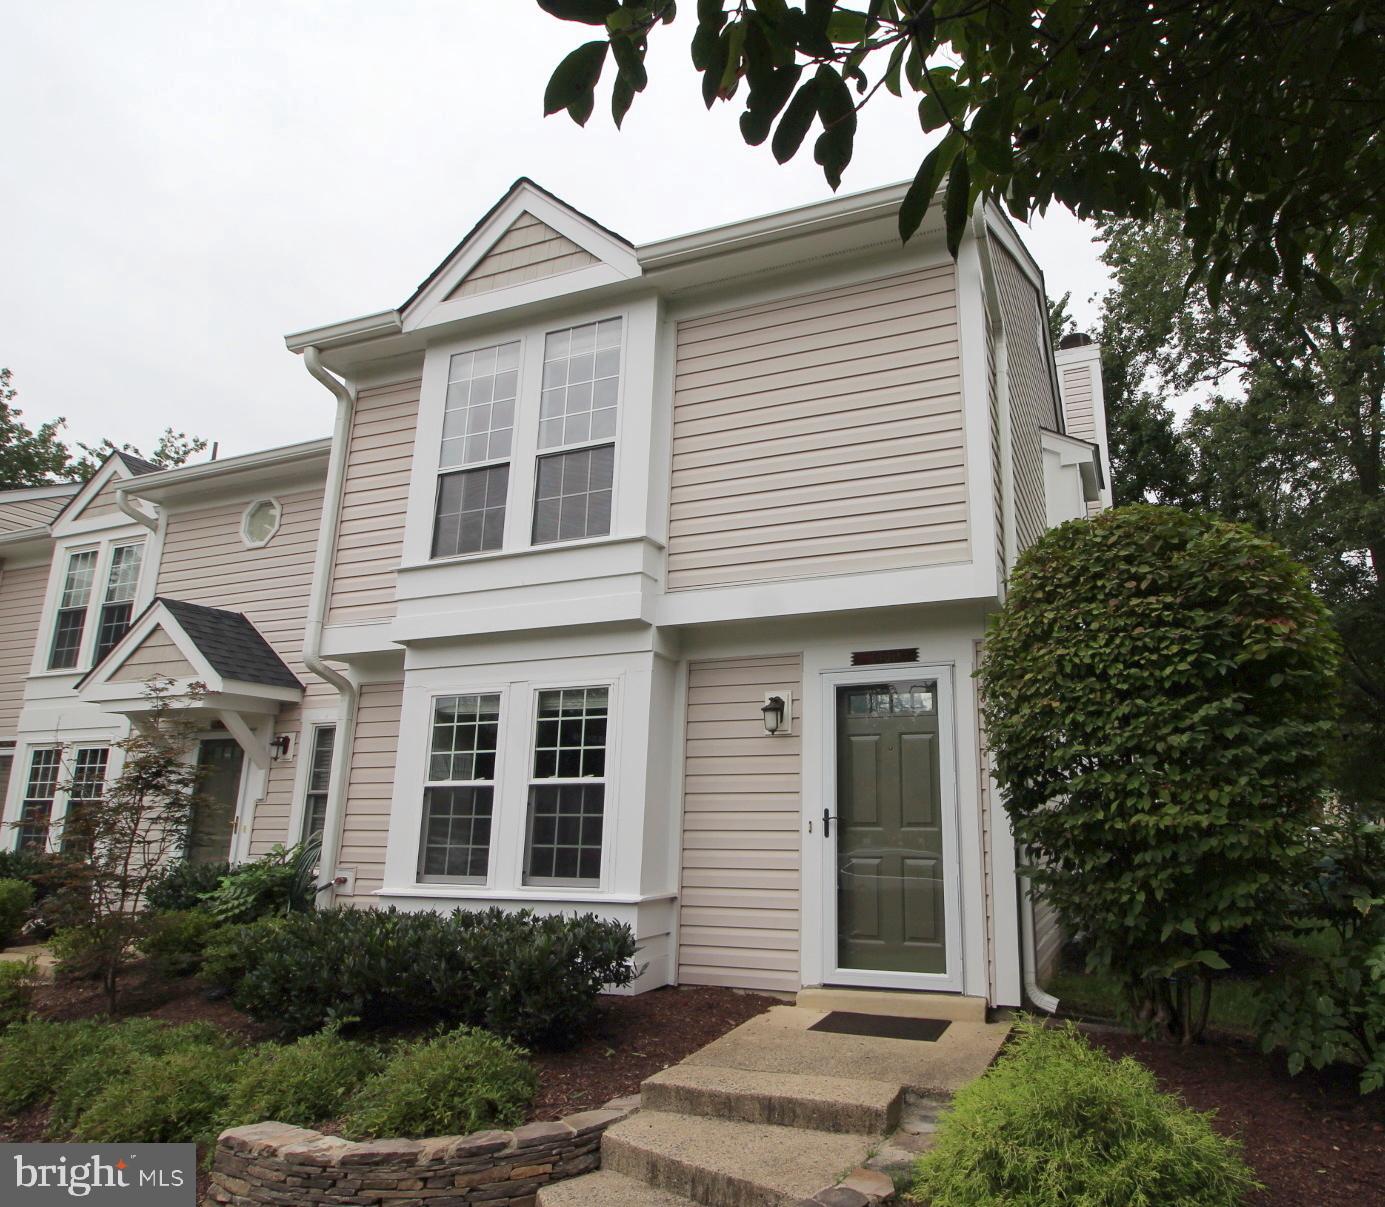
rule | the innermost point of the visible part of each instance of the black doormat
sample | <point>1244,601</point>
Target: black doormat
<point>881,1026</point>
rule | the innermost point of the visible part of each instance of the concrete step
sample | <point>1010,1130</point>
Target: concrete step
<point>897,1003</point>
<point>605,1188</point>
<point>729,1163</point>
<point>827,1104</point>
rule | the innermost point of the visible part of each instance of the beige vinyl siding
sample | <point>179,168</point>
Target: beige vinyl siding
<point>155,655</point>
<point>102,503</point>
<point>206,562</point>
<point>18,514</point>
<point>365,828</point>
<point>529,250</point>
<point>1032,405</point>
<point>21,607</point>
<point>819,434</point>
<point>370,539</point>
<point>1077,402</point>
<point>739,908</point>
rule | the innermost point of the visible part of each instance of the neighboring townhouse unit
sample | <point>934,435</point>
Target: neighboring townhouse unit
<point>641,580</point>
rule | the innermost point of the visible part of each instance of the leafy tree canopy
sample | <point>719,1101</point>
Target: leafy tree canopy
<point>37,457</point>
<point>1257,120</point>
<point>1287,439</point>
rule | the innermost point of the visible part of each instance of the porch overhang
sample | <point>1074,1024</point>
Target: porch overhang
<point>211,662</point>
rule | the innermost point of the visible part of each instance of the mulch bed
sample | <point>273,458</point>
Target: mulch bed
<point>1311,1139</point>
<point>634,1038</point>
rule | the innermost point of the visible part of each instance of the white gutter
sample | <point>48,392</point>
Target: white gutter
<point>317,611</point>
<point>1033,991</point>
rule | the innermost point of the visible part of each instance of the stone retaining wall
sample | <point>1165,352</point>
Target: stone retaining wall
<point>273,1163</point>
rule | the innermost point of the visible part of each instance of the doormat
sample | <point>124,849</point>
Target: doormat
<point>881,1026</point>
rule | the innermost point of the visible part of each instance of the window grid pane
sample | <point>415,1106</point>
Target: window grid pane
<point>581,383</point>
<point>471,511</point>
<point>479,414</point>
<point>88,784</point>
<point>566,820</point>
<point>459,795</point>
<point>38,799</point>
<point>319,779</point>
<point>72,610</point>
<point>115,623</point>
<point>572,498</point>
<point>124,575</point>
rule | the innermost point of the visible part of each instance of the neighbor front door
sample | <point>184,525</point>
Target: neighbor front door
<point>214,819</point>
<point>891,866</point>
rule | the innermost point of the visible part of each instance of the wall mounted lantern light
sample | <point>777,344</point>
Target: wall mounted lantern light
<point>776,712</point>
<point>280,746</point>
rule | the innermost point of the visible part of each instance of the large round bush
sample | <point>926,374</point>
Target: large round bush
<point>1158,691</point>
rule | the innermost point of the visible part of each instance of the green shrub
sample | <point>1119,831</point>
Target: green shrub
<point>1329,1006</point>
<point>282,882</point>
<point>176,1097</point>
<point>35,1057</point>
<point>120,1053</point>
<point>1055,1122</point>
<point>464,1081</point>
<point>303,1083</point>
<point>47,873</point>
<point>533,979</point>
<point>183,884</point>
<point>176,941</point>
<point>18,980</point>
<point>16,899</point>
<point>77,950</point>
<point>1168,800</point>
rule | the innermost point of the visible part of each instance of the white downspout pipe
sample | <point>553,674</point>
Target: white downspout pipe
<point>122,502</point>
<point>1033,991</point>
<point>347,694</point>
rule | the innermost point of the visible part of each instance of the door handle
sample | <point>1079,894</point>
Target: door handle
<point>827,819</point>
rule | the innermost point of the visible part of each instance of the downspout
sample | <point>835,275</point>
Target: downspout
<point>122,502</point>
<point>317,611</point>
<point>1033,991</point>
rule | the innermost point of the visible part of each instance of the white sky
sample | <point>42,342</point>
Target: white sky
<point>187,181</point>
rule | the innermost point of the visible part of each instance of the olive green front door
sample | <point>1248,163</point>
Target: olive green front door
<point>214,819</point>
<point>891,899</point>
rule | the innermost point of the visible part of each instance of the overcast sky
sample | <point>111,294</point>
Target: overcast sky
<point>185,182</point>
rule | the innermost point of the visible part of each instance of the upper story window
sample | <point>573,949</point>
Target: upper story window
<point>116,609</point>
<point>72,610</point>
<point>560,419</point>
<point>581,383</point>
<point>477,430</point>
<point>78,597</point>
<point>260,522</point>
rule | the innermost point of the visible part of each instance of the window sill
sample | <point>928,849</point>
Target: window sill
<point>462,892</point>
<point>495,555</point>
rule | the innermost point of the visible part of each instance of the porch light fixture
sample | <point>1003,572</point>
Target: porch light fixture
<point>280,746</point>
<point>775,712</point>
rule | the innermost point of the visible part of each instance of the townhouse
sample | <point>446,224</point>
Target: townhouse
<point>641,580</point>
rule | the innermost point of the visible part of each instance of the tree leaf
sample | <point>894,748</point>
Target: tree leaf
<point>925,186</point>
<point>794,125</point>
<point>957,202</point>
<point>574,81</point>
<point>588,12</point>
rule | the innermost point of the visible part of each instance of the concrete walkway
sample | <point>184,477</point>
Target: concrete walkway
<point>774,1114</point>
<point>42,957</point>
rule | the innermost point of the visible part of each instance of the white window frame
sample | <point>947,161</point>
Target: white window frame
<point>307,748</point>
<point>524,449</point>
<point>105,552</point>
<point>246,539</point>
<point>84,637</point>
<point>301,755</point>
<point>609,780</point>
<point>106,601</point>
<point>20,770</point>
<point>494,783</point>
